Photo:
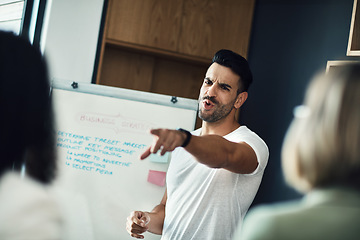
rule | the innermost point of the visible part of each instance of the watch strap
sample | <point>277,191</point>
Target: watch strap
<point>188,136</point>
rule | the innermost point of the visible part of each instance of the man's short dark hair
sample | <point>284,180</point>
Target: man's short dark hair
<point>237,64</point>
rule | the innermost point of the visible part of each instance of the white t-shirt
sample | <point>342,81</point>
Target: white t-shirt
<point>208,203</point>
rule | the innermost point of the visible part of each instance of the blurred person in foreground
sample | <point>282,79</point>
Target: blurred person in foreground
<point>27,164</point>
<point>320,158</point>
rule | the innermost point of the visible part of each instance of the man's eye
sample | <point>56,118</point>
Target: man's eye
<point>207,81</point>
<point>225,88</point>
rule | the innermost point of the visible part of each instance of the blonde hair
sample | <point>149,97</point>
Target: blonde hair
<point>322,145</point>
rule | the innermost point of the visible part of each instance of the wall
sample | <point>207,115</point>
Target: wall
<point>70,37</point>
<point>291,41</point>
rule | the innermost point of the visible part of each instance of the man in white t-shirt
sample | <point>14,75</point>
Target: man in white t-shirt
<point>215,171</point>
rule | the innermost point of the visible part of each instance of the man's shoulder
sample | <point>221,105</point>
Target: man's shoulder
<point>243,132</point>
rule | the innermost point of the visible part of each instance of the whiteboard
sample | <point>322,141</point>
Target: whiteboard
<point>101,131</point>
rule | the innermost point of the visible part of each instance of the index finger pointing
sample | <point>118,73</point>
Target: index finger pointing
<point>145,154</point>
<point>155,131</point>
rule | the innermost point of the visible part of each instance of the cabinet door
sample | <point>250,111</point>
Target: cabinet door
<point>151,23</point>
<point>178,78</point>
<point>208,26</point>
<point>126,69</point>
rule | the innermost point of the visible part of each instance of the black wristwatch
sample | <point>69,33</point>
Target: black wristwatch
<point>188,136</point>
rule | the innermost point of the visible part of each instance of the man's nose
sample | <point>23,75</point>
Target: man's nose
<point>212,91</point>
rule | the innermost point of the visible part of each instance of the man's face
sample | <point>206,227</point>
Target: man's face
<point>218,93</point>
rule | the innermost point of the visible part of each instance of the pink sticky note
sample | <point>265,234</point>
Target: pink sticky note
<point>157,177</point>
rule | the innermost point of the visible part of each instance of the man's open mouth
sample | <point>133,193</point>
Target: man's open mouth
<point>208,104</point>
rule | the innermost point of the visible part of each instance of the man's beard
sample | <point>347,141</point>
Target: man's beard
<point>221,111</point>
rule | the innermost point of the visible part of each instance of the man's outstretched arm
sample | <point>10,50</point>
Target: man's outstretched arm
<point>211,150</point>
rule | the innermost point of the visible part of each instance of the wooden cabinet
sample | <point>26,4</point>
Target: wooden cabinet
<point>208,26</point>
<point>166,46</point>
<point>151,23</point>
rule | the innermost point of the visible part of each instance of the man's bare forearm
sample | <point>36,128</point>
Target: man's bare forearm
<point>157,216</point>
<point>217,152</point>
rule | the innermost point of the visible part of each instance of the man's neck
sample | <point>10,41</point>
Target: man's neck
<point>221,128</point>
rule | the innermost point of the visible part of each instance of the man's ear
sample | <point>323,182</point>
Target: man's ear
<point>240,99</point>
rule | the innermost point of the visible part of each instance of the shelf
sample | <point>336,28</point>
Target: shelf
<point>158,52</point>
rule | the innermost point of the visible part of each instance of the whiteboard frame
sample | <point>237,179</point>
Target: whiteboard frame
<point>128,94</point>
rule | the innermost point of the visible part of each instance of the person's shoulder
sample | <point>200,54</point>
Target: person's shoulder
<point>26,204</point>
<point>265,221</point>
<point>275,209</point>
<point>23,193</point>
<point>13,183</point>
<point>244,130</point>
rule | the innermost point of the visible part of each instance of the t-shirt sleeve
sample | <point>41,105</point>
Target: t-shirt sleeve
<point>261,150</point>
